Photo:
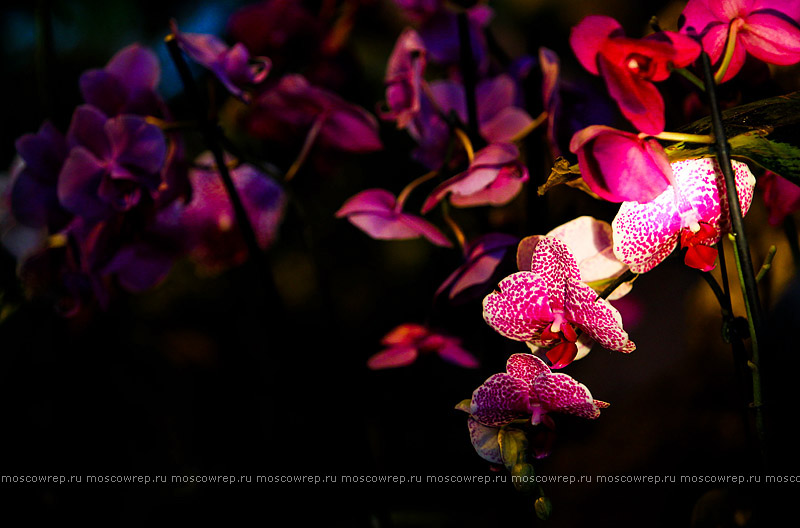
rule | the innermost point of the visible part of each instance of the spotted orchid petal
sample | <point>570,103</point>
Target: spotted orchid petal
<point>501,399</point>
<point>646,233</point>
<point>560,393</point>
<point>601,321</point>
<point>484,440</point>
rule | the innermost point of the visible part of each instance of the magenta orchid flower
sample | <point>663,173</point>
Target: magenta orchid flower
<point>231,65</point>
<point>529,388</point>
<point>404,78</point>
<point>209,221</point>
<point>547,305</point>
<point>766,29</point>
<point>494,177</point>
<point>407,342</point>
<point>696,213</point>
<point>127,84</point>
<point>379,214</point>
<point>482,256</point>
<point>620,166</point>
<point>630,66</point>
<point>781,197</point>
<point>111,163</point>
<point>320,113</point>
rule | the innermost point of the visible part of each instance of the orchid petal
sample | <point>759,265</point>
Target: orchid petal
<point>500,399</point>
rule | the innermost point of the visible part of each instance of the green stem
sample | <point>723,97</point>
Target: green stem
<point>679,136</point>
<point>730,47</point>
<point>744,263</point>
<point>689,76</point>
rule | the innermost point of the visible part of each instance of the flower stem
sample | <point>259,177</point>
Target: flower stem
<point>730,47</point>
<point>464,138</point>
<point>679,136</point>
<point>459,234</point>
<point>744,263</point>
<point>767,265</point>
<point>211,132</point>
<point>307,144</point>
<point>403,196</point>
<point>625,277</point>
<point>689,76</point>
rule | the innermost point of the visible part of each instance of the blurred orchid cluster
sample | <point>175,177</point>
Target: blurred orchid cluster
<point>118,197</point>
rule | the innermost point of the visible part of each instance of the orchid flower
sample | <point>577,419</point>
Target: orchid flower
<point>379,214</point>
<point>404,78</point>
<point>529,388</point>
<point>482,256</point>
<point>766,29</point>
<point>111,162</point>
<point>620,166</point>
<point>231,65</point>
<point>696,212</point>
<point>630,66</point>
<point>781,196</point>
<point>547,305</point>
<point>494,177</point>
<point>407,342</point>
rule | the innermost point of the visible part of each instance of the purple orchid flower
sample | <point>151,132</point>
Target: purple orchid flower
<point>494,177</point>
<point>404,78</point>
<point>408,341</point>
<point>273,26</point>
<point>646,233</point>
<point>231,65</point>
<point>209,222</point>
<point>620,166</point>
<point>126,85</point>
<point>781,197</point>
<point>322,114</point>
<point>379,214</point>
<point>546,305</point>
<point>111,163</point>
<point>419,11</point>
<point>529,388</point>
<point>34,201</point>
<point>482,256</point>
<point>630,66</point>
<point>439,32</point>
<point>766,29</point>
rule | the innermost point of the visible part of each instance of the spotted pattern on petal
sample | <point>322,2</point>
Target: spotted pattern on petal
<point>484,440</point>
<point>554,264</point>
<point>501,399</point>
<point>518,309</point>
<point>561,393</point>
<point>526,367</point>
<point>646,233</point>
<point>597,318</point>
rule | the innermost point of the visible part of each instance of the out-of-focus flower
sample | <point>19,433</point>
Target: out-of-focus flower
<point>620,166</point>
<point>646,233</point>
<point>419,11</point>
<point>781,196</point>
<point>209,221</point>
<point>295,103</point>
<point>273,26</point>
<point>404,78</point>
<point>481,258</point>
<point>407,342</point>
<point>126,85</point>
<point>767,29</point>
<point>484,439</point>
<point>34,201</point>
<point>111,162</point>
<point>542,306</point>
<point>629,66</point>
<point>494,177</point>
<point>376,212</point>
<point>233,66</point>
<point>440,34</point>
<point>528,388</point>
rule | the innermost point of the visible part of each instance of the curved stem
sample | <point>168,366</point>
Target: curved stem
<point>459,234</point>
<point>730,47</point>
<point>689,76</point>
<point>678,136</point>
<point>744,263</point>
<point>465,141</point>
<point>403,196</point>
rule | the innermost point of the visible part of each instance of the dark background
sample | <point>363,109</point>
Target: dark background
<point>211,375</point>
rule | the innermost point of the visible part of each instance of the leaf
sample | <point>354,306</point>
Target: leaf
<point>765,132</point>
<point>513,444</point>
<point>464,405</point>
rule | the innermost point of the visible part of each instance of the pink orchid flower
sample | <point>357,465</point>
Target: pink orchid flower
<point>630,66</point>
<point>379,214</point>
<point>494,177</point>
<point>548,304</point>
<point>767,29</point>
<point>697,211</point>
<point>231,65</point>
<point>484,439</point>
<point>408,341</point>
<point>482,257</point>
<point>530,388</point>
<point>781,197</point>
<point>404,78</point>
<point>620,166</point>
